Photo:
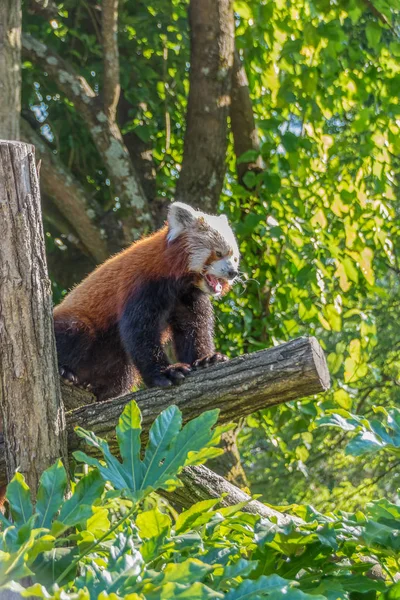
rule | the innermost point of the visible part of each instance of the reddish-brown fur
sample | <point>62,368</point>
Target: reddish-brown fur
<point>98,301</point>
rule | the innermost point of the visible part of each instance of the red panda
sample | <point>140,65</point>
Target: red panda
<point>111,328</point>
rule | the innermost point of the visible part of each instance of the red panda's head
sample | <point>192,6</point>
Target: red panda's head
<point>213,253</point>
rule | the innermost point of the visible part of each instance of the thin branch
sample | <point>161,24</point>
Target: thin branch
<point>375,11</point>
<point>47,8</point>
<point>245,136</point>
<point>67,194</point>
<point>111,83</point>
<point>106,134</point>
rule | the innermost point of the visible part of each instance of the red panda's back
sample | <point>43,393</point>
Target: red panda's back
<point>99,299</point>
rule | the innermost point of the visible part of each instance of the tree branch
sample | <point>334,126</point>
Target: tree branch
<point>238,388</point>
<point>211,60</point>
<point>106,135</point>
<point>10,68</point>
<point>47,8</point>
<point>111,84</point>
<point>245,136</point>
<point>67,194</point>
<point>375,11</point>
<point>140,153</point>
<point>201,483</point>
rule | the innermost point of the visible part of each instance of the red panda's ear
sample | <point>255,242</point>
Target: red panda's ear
<point>180,218</point>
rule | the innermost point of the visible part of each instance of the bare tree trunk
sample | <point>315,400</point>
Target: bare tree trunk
<point>30,398</point>
<point>211,60</point>
<point>10,68</point>
<point>245,136</point>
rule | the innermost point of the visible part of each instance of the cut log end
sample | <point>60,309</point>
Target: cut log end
<point>321,366</point>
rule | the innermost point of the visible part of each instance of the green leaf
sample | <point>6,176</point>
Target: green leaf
<point>112,471</point>
<point>248,157</point>
<point>128,435</point>
<point>168,450</point>
<point>272,182</point>
<point>153,524</point>
<point>373,31</point>
<point>19,498</point>
<point>78,507</point>
<point>393,593</point>
<point>162,435</point>
<point>250,588</point>
<point>194,516</point>
<point>189,571</point>
<point>50,494</point>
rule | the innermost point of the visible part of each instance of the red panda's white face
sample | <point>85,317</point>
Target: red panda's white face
<point>211,245</point>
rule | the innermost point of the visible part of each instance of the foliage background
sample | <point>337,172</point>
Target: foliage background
<point>318,226</point>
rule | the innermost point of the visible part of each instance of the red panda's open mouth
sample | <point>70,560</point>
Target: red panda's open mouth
<point>214,283</point>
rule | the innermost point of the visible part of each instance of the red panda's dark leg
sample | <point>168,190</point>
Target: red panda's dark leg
<point>142,322</point>
<point>192,323</point>
<point>73,345</point>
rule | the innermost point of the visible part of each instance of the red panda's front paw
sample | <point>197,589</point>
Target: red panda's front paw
<point>172,375</point>
<point>209,359</point>
<point>68,377</point>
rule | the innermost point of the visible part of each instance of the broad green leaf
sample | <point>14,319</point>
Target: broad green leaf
<point>19,498</point>
<point>113,470</point>
<point>264,585</point>
<point>128,434</point>
<point>248,157</point>
<point>373,32</point>
<point>197,514</point>
<point>50,494</point>
<point>169,449</point>
<point>196,591</point>
<point>187,572</point>
<point>163,433</point>
<point>153,524</point>
<point>78,507</point>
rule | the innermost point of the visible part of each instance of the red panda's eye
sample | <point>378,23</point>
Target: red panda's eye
<point>218,254</point>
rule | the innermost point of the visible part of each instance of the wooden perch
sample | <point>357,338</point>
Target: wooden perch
<point>238,388</point>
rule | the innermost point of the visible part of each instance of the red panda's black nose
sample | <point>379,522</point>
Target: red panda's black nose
<point>232,273</point>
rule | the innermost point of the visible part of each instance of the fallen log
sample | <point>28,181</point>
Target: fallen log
<point>238,388</point>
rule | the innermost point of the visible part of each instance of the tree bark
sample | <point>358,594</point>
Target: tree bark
<point>111,84</point>
<point>211,60</point>
<point>201,483</point>
<point>67,194</point>
<point>105,134</point>
<point>238,388</point>
<point>10,68</point>
<point>244,131</point>
<point>140,152</point>
<point>229,464</point>
<point>46,8</point>
<point>30,398</point>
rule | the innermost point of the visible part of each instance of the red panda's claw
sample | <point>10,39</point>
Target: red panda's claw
<point>176,373</point>
<point>68,377</point>
<point>208,360</point>
<point>161,381</point>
